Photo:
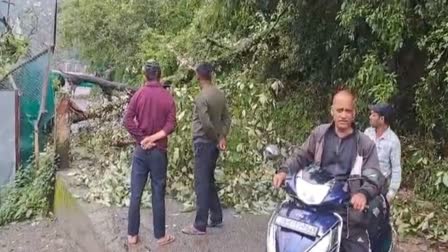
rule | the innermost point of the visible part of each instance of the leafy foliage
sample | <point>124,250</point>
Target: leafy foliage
<point>30,194</point>
<point>423,218</point>
<point>11,48</point>
<point>422,165</point>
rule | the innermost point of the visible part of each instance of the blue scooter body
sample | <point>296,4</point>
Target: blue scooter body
<point>300,227</point>
<point>297,227</point>
<point>289,240</point>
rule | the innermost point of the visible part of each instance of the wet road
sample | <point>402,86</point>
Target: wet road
<point>42,235</point>
<point>240,232</point>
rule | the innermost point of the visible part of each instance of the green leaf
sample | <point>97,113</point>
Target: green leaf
<point>29,213</point>
<point>445,179</point>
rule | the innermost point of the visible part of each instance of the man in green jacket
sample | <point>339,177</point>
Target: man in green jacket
<point>342,150</point>
<point>211,124</point>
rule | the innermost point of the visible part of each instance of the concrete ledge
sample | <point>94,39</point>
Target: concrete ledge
<point>72,218</point>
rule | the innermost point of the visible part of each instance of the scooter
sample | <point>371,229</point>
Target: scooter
<point>310,220</point>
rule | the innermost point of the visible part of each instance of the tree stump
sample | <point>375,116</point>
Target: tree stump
<point>62,132</point>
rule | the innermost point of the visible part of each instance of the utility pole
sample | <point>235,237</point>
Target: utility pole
<point>9,3</point>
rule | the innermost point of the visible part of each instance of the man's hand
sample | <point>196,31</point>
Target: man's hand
<point>279,179</point>
<point>148,142</point>
<point>359,201</point>
<point>222,145</point>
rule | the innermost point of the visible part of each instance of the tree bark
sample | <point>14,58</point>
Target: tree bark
<point>62,133</point>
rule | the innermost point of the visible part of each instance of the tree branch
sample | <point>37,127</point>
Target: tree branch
<point>245,44</point>
<point>217,43</point>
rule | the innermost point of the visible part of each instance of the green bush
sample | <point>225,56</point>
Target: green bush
<point>425,172</point>
<point>12,47</point>
<point>31,193</point>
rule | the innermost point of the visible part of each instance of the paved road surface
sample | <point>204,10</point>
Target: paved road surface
<point>40,236</point>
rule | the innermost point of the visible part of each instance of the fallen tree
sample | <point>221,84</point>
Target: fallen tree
<point>77,79</point>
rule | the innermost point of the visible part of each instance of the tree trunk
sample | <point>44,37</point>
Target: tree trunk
<point>77,79</point>
<point>62,133</point>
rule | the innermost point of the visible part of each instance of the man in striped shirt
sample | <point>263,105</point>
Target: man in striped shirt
<point>388,146</point>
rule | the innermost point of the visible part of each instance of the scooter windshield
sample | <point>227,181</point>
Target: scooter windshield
<point>313,185</point>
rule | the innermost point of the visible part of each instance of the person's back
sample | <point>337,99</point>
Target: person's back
<point>212,101</point>
<point>150,118</point>
<point>153,108</point>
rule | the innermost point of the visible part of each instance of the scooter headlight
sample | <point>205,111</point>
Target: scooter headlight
<point>311,194</point>
<point>328,241</point>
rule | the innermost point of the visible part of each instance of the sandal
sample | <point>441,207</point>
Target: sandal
<point>191,230</point>
<point>215,224</point>
<point>166,240</point>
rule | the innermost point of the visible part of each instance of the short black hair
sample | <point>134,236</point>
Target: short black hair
<point>205,71</point>
<point>152,70</point>
<point>387,119</point>
<point>383,109</point>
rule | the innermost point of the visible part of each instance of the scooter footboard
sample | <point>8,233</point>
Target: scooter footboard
<point>296,229</point>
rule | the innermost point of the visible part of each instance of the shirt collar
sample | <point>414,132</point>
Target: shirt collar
<point>333,130</point>
<point>385,133</point>
<point>153,84</point>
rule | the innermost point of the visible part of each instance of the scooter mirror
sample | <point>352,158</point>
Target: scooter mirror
<point>271,152</point>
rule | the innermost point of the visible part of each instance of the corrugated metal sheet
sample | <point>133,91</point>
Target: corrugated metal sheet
<point>9,131</point>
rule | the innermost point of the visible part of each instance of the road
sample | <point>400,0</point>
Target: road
<point>38,235</point>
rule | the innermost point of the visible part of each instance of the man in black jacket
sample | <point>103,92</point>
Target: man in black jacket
<point>343,150</point>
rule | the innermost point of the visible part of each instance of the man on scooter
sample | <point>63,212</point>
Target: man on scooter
<point>347,151</point>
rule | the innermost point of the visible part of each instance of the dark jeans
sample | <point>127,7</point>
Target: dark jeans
<point>205,157</point>
<point>153,162</point>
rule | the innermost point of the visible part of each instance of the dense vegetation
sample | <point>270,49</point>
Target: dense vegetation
<point>279,62</point>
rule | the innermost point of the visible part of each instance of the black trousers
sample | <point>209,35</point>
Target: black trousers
<point>205,157</point>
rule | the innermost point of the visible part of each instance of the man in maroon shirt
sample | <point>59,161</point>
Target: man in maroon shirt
<point>150,118</point>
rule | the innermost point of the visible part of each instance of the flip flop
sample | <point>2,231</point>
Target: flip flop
<point>191,230</point>
<point>214,224</point>
<point>166,240</point>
